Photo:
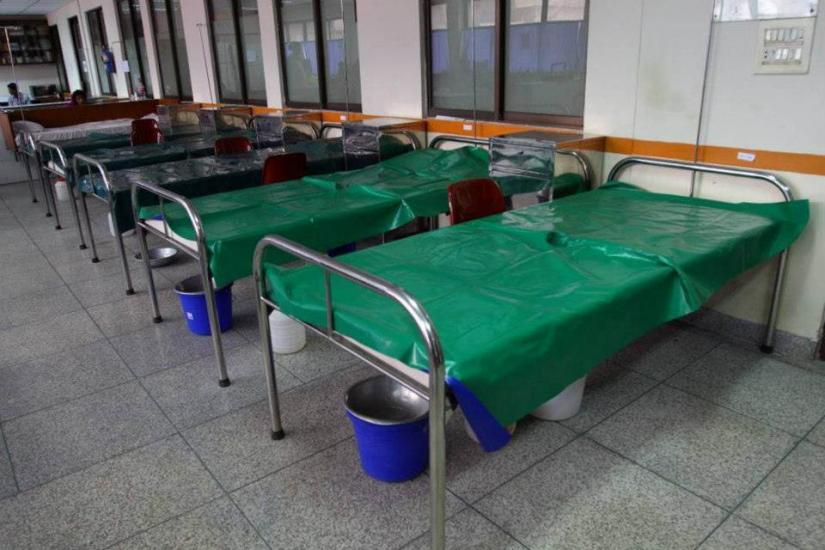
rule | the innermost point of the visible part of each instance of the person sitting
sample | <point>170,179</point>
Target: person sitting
<point>78,98</point>
<point>16,97</point>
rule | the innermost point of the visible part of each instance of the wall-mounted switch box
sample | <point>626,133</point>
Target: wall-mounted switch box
<point>785,46</point>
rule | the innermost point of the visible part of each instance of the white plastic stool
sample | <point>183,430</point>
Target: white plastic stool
<point>564,405</point>
<point>61,190</point>
<point>288,336</point>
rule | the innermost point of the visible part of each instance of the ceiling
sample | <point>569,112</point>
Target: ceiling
<point>29,7</point>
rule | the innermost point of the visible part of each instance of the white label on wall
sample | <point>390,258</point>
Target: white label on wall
<point>785,46</point>
<point>747,157</point>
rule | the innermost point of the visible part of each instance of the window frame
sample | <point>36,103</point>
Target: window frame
<point>320,59</point>
<point>172,39</point>
<point>236,26</point>
<point>499,113</point>
<point>101,29</point>
<point>59,59</point>
<point>75,35</point>
<point>134,27</point>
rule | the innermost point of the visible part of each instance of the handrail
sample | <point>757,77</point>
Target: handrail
<point>435,392</point>
<point>330,126</point>
<point>54,150</point>
<point>584,164</point>
<point>414,141</point>
<point>446,138</point>
<point>694,167</point>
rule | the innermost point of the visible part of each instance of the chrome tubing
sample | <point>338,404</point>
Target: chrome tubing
<point>201,255</point>
<point>779,278</point>
<point>414,141</point>
<point>446,138</point>
<point>48,153</point>
<point>434,390</point>
<point>330,126</point>
<point>78,162</point>
<point>584,165</point>
<point>28,153</point>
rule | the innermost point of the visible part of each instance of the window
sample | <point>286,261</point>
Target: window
<point>236,49</point>
<point>97,30</point>
<point>515,60</point>
<point>79,54</point>
<point>338,85</point>
<point>171,48</point>
<point>134,44</point>
<point>58,59</point>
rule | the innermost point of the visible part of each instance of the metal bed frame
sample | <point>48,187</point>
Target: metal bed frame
<point>51,159</point>
<point>435,390</point>
<point>29,153</point>
<point>697,168</point>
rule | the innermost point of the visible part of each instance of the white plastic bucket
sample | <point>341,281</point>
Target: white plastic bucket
<point>112,227</point>
<point>61,190</point>
<point>288,336</point>
<point>564,405</point>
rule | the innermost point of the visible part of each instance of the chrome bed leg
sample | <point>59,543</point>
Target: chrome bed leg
<point>121,249</point>
<point>44,187</point>
<point>269,370</point>
<point>214,324</point>
<point>76,213</point>
<point>150,281</point>
<point>26,161</point>
<point>438,459</point>
<point>770,328</point>
<point>95,259</point>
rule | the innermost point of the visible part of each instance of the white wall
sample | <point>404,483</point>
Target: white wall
<point>389,50</point>
<point>270,44</point>
<point>199,54</point>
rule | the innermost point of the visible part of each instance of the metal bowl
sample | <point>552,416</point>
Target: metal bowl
<point>161,256</point>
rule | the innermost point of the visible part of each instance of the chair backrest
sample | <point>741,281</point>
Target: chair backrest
<point>232,145</point>
<point>475,198</point>
<point>145,131</point>
<point>285,167</point>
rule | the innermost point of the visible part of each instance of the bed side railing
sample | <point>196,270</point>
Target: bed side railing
<point>326,126</point>
<point>409,135</point>
<point>200,254</point>
<point>434,391</point>
<point>766,177</point>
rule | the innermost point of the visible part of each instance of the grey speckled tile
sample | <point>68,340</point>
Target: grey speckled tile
<point>118,498</point>
<point>101,290</point>
<point>217,525</point>
<point>59,333</point>
<point>318,358</point>
<point>134,313</point>
<point>818,434</point>
<point>14,528</point>
<point>781,395</point>
<point>37,307</point>
<point>469,530</point>
<point>791,501</point>
<point>587,497</point>
<point>58,378</point>
<point>168,344</point>
<point>26,282</point>
<point>237,448</point>
<point>326,501</point>
<point>609,388</point>
<point>472,473</point>
<point>712,451</point>
<point>8,487</point>
<point>190,395</point>
<point>63,439</point>
<point>665,351</point>
<point>736,534</point>
<point>28,259</point>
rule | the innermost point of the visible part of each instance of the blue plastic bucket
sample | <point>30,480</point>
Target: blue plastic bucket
<point>390,423</point>
<point>193,304</point>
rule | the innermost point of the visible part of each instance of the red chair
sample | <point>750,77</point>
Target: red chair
<point>146,131</point>
<point>289,166</point>
<point>476,198</point>
<point>233,145</point>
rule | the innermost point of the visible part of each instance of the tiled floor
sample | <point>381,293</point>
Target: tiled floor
<point>116,435</point>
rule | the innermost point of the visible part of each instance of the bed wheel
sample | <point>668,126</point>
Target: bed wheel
<point>48,214</point>
<point>278,435</point>
<point>58,227</point>
<point>82,247</point>
<point>224,383</point>
<point>34,200</point>
<point>130,292</point>
<point>766,349</point>
<point>157,319</point>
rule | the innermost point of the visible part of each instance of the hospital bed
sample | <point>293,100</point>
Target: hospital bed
<point>484,309</point>
<point>220,231</point>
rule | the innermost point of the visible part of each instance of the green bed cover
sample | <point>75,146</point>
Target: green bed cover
<point>529,301</point>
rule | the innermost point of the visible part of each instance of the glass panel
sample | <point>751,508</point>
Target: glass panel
<point>253,61</point>
<point>226,51</point>
<point>163,42</point>
<point>300,55</point>
<point>463,54</point>
<point>129,45</point>
<point>141,46</point>
<point>743,10</point>
<point>180,49</point>
<point>61,63</point>
<point>98,35</point>
<point>546,57</point>
<point>343,74</point>
<point>80,54</point>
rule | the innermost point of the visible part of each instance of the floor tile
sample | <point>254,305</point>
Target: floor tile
<point>133,313</point>
<point>16,240</point>
<point>781,395</point>
<point>27,282</point>
<point>318,358</point>
<point>237,448</point>
<point>66,438</point>
<point>469,529</point>
<point>472,473</point>
<point>587,497</point>
<point>818,434</point>
<point>14,528</point>
<point>714,452</point>
<point>166,345</point>
<point>666,351</point>
<point>738,534</point>
<point>190,395</point>
<point>37,307</point>
<point>60,333</point>
<point>245,320</point>
<point>83,269</point>
<point>8,487</point>
<point>59,255</point>
<point>609,388</point>
<point>23,260</point>
<point>96,291</point>
<point>791,501</point>
<point>118,498</point>
<point>326,501</point>
<point>218,524</point>
<point>60,377</point>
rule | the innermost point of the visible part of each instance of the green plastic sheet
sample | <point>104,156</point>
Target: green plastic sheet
<point>529,301</point>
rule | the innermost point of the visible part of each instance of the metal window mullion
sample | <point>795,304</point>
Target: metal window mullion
<point>320,54</point>
<point>236,23</point>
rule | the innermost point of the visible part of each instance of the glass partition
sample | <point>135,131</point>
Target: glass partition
<point>97,31</point>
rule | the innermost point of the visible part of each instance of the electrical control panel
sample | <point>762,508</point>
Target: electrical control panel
<point>785,46</point>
